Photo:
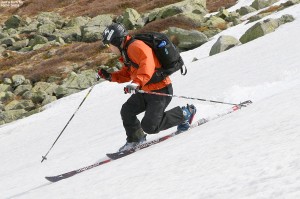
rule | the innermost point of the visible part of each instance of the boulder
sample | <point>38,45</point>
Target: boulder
<point>234,17</point>
<point>54,79</point>
<point>186,39</point>
<point>8,41</point>
<point>255,18</point>
<point>285,19</point>
<point>246,10</point>
<point>69,34</point>
<point>39,46</point>
<point>5,87</point>
<point>92,31</point>
<point>27,95</point>
<point>13,22</point>
<point>11,115</point>
<point>217,22</point>
<point>7,81</point>
<point>31,27</point>
<point>38,39</point>
<point>264,27</point>
<point>2,49</point>
<point>20,90</point>
<point>6,96</point>
<point>78,21</point>
<point>48,100</point>
<point>186,6</point>
<point>259,29</point>
<point>46,17</point>
<point>80,81</point>
<point>21,104</point>
<point>12,32</point>
<point>20,44</point>
<point>224,43</point>
<point>38,97</point>
<point>169,12</point>
<point>131,18</point>
<point>290,3</point>
<point>223,13</point>
<point>49,88</point>
<point>60,40</point>
<point>61,91</point>
<point>92,34</point>
<point>46,29</point>
<point>3,35</point>
<point>259,4</point>
<point>34,111</point>
<point>18,80</point>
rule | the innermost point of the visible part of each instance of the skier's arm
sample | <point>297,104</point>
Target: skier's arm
<point>143,55</point>
<point>121,76</point>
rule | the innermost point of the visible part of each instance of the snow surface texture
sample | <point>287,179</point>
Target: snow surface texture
<point>253,153</point>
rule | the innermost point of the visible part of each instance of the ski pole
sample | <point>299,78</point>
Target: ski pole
<point>192,98</point>
<point>45,156</point>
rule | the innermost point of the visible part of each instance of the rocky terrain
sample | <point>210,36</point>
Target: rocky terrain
<point>47,55</point>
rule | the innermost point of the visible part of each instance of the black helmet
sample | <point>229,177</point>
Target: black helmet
<point>114,34</point>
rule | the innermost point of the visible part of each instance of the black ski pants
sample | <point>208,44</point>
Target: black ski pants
<point>155,119</point>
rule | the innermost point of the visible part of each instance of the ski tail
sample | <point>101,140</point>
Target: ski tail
<point>74,172</point>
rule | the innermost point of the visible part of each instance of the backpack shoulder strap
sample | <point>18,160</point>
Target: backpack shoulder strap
<point>127,60</point>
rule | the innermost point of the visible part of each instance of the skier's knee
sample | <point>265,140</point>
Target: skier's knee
<point>149,128</point>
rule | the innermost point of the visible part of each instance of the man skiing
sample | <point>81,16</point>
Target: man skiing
<point>156,119</point>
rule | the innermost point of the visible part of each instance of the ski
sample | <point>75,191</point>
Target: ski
<point>117,155</point>
<point>74,172</point>
<point>121,154</point>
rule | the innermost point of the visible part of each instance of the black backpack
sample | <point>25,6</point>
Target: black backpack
<point>165,51</point>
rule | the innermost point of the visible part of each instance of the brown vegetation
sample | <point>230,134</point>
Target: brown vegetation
<point>46,62</point>
<point>271,9</point>
<point>94,7</point>
<point>89,8</point>
<point>214,5</point>
<point>58,61</point>
<point>163,24</point>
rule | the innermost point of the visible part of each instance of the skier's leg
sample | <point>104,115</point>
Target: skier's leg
<point>130,109</point>
<point>156,119</point>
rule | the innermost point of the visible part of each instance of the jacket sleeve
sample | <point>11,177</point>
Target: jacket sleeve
<point>121,76</point>
<point>143,55</point>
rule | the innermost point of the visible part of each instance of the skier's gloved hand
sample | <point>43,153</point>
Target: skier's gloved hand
<point>131,88</point>
<point>103,74</point>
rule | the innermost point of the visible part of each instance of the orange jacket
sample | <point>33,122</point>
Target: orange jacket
<point>141,54</point>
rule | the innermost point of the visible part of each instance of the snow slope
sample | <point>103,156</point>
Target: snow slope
<point>253,153</point>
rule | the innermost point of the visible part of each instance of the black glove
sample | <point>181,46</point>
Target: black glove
<point>103,74</point>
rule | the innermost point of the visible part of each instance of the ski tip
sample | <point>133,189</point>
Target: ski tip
<point>112,156</point>
<point>120,154</point>
<point>52,179</point>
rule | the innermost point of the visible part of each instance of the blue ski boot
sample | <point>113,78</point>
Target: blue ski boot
<point>189,112</point>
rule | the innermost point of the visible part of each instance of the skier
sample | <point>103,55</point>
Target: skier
<point>156,119</point>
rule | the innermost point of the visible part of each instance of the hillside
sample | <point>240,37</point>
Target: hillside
<point>47,53</point>
<point>252,153</point>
